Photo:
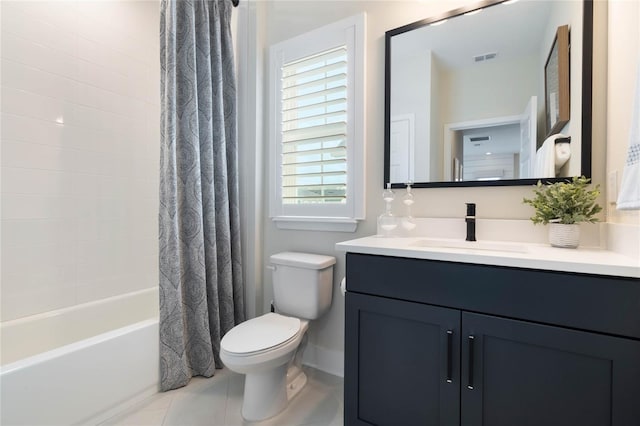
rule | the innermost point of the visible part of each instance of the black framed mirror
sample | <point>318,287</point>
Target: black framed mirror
<point>466,102</point>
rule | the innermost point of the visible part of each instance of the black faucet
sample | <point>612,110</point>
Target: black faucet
<point>470,218</point>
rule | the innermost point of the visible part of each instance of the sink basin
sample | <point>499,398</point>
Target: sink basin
<point>497,246</point>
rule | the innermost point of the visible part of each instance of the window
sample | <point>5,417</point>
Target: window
<point>317,128</point>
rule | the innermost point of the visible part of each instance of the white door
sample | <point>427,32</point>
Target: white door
<point>528,130</point>
<point>401,149</point>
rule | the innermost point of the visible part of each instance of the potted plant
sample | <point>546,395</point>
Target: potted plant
<point>564,205</point>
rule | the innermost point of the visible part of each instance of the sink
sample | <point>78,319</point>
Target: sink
<point>496,246</point>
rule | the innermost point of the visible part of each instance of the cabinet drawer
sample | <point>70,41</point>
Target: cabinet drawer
<point>589,302</point>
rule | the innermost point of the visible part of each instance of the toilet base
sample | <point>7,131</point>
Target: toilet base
<point>296,379</point>
<point>268,393</point>
<point>265,393</point>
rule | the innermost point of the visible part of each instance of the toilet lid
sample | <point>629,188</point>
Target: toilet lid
<point>260,333</point>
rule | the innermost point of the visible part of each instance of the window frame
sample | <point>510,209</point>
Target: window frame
<point>331,217</point>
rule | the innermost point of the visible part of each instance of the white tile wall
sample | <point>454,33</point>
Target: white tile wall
<point>80,151</point>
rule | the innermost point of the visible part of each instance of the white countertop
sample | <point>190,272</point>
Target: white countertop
<point>533,256</point>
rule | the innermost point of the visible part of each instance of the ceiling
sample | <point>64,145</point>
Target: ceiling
<point>510,30</point>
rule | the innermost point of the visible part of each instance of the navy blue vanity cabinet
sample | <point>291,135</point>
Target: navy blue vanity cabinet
<point>445,343</point>
<point>404,362</point>
<point>528,374</point>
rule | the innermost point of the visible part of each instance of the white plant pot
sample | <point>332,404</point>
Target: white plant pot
<point>563,235</point>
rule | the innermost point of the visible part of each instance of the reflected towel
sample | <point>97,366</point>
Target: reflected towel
<point>629,196</point>
<point>546,158</point>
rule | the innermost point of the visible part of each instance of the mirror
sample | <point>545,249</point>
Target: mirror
<point>495,93</point>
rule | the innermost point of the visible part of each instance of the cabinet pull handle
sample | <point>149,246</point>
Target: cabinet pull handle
<point>470,383</point>
<point>449,355</point>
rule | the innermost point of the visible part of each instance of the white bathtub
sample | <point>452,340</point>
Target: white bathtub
<point>112,361</point>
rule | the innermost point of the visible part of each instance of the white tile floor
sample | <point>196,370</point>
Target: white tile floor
<point>217,401</point>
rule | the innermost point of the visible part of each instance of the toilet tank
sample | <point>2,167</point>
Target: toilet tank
<point>302,283</point>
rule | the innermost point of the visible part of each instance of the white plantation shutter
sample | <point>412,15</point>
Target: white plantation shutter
<point>317,128</point>
<point>314,129</point>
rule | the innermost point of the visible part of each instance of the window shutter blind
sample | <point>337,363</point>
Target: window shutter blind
<point>314,129</point>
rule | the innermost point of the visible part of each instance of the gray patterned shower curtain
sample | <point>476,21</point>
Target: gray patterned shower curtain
<point>201,287</point>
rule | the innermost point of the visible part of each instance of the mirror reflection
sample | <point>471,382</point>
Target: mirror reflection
<point>468,99</point>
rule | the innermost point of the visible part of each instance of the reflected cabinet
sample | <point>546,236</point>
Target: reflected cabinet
<point>425,347</point>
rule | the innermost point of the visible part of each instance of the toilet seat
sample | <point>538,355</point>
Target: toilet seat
<point>260,334</point>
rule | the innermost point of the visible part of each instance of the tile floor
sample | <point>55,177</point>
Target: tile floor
<point>217,401</point>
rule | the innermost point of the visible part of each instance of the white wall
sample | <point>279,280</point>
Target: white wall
<point>80,152</point>
<point>624,60</point>
<point>437,150</point>
<point>285,18</point>
<point>411,95</point>
<point>473,92</point>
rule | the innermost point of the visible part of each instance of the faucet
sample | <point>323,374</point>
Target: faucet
<point>470,218</point>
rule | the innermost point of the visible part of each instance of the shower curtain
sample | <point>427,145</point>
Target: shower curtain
<point>201,287</point>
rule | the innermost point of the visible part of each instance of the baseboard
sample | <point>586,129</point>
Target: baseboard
<point>122,407</point>
<point>327,360</point>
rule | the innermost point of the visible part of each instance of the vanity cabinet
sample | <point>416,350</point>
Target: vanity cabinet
<point>402,362</point>
<point>446,343</point>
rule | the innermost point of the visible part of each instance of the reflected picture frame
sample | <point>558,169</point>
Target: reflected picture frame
<point>556,83</point>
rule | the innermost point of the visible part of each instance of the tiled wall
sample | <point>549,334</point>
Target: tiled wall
<point>80,152</point>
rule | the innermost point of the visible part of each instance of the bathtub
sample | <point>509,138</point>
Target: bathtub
<point>80,365</point>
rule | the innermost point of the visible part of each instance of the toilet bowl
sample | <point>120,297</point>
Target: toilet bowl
<point>268,349</point>
<point>264,350</point>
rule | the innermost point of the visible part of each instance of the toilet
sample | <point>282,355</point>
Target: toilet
<point>268,349</point>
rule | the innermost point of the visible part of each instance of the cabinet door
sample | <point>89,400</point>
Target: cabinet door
<point>527,374</point>
<point>401,363</point>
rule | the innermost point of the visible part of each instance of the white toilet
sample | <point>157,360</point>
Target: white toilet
<point>268,349</point>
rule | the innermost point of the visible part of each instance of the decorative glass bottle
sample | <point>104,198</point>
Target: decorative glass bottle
<point>387,222</point>
<point>408,223</point>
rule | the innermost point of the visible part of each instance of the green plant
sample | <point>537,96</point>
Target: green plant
<point>565,202</point>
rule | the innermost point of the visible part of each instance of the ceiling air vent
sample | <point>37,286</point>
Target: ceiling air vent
<point>485,57</point>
